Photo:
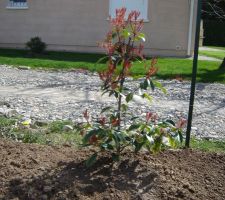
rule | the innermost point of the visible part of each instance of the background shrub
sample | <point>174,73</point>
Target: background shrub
<point>36,46</point>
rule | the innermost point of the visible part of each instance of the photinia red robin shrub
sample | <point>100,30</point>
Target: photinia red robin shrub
<point>117,129</point>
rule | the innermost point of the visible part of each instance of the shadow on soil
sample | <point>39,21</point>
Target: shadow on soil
<point>73,180</point>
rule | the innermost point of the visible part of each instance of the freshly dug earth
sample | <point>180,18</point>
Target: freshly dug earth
<point>29,171</point>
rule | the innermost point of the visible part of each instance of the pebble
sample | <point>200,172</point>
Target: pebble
<point>67,128</point>
<point>47,189</point>
<point>65,95</point>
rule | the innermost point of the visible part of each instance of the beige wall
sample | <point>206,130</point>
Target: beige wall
<point>77,25</point>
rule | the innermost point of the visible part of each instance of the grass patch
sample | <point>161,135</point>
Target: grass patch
<point>51,134</point>
<point>169,68</point>
<point>51,60</point>
<point>213,54</point>
<point>209,145</point>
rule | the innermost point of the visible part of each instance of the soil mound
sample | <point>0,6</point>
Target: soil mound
<point>31,172</point>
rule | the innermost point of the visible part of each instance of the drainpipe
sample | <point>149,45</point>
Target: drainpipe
<point>191,22</point>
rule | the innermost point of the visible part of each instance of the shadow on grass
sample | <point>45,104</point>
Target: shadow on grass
<point>203,75</point>
<point>73,180</point>
<point>217,75</point>
<point>52,55</point>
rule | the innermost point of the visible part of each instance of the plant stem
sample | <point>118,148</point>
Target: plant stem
<point>120,100</point>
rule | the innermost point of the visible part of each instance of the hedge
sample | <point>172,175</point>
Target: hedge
<point>214,33</point>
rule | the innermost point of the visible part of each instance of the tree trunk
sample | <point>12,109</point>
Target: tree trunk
<point>222,66</point>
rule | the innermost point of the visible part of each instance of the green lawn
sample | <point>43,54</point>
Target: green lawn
<point>214,54</point>
<point>213,47</point>
<point>209,145</point>
<point>208,71</point>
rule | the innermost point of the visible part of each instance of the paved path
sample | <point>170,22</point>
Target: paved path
<point>202,57</point>
<point>210,49</point>
<point>65,95</point>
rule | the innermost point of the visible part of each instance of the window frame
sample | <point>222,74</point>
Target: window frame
<point>145,9</point>
<point>17,5</point>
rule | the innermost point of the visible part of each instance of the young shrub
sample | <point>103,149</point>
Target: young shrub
<point>117,129</point>
<point>36,46</point>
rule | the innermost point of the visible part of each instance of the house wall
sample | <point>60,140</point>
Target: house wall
<point>78,25</point>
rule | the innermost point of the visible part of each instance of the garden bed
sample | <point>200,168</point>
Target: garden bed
<point>31,171</point>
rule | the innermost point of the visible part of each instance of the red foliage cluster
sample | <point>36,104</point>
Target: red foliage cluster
<point>123,45</point>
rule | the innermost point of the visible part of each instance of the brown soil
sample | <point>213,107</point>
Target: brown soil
<point>42,172</point>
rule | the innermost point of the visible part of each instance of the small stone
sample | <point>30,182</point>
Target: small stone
<point>23,68</point>
<point>194,128</point>
<point>41,123</point>
<point>15,164</point>
<point>41,168</point>
<point>44,197</point>
<point>47,189</point>
<point>180,193</point>
<point>11,113</point>
<point>67,128</point>
<point>4,103</point>
<point>48,182</point>
<point>186,185</point>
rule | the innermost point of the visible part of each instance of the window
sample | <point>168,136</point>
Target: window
<point>17,4</point>
<point>139,5</point>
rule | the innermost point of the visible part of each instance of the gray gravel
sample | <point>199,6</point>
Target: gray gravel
<point>41,95</point>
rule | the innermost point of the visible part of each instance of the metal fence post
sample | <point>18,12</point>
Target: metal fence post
<point>194,73</point>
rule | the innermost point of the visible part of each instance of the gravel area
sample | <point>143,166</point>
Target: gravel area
<point>58,95</point>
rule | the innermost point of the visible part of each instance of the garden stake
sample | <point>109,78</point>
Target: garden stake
<point>194,73</point>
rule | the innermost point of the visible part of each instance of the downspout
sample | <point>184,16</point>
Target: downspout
<point>191,22</point>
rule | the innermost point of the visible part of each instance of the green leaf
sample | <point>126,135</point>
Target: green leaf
<point>150,139</point>
<point>91,161</point>
<point>172,141</point>
<point>134,118</point>
<point>107,146</point>
<point>101,60</point>
<point>141,36</point>
<point>157,145</point>
<point>148,97</point>
<point>106,109</point>
<point>114,35</point>
<point>152,85</point>
<point>116,139</point>
<point>126,33</point>
<point>129,97</point>
<point>105,91</point>
<point>144,85</point>
<point>171,122</point>
<point>159,85</point>
<point>121,136</point>
<point>88,136</point>
<point>92,133</point>
<point>111,93</point>
<point>134,127</point>
<point>138,146</point>
<point>124,107</point>
<point>180,136</point>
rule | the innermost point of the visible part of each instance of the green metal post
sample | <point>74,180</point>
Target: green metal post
<point>194,73</point>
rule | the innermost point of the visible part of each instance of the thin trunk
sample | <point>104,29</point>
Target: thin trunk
<point>120,103</point>
<point>222,66</point>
